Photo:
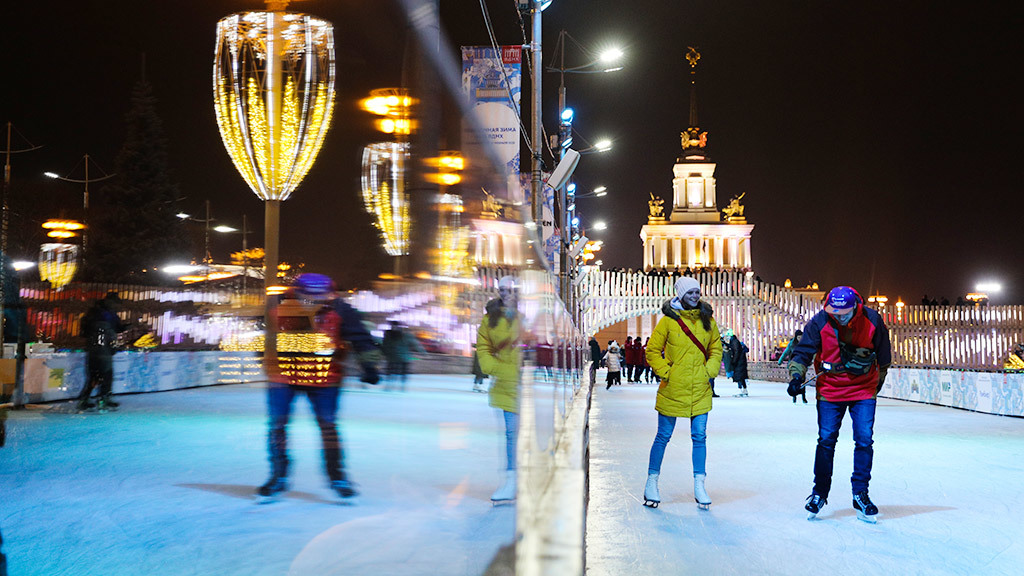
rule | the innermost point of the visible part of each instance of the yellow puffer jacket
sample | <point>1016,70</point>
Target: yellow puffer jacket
<point>497,350</point>
<point>684,372</point>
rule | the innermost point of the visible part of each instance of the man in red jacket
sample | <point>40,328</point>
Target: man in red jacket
<point>850,347</point>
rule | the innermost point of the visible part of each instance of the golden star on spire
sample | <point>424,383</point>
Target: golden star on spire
<point>692,56</point>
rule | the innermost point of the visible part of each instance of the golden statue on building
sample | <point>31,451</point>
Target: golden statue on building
<point>734,211</point>
<point>655,206</point>
<point>492,208</point>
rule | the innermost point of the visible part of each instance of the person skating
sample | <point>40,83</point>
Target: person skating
<point>398,347</point>
<point>688,337</point>
<point>100,327</point>
<point>849,345</point>
<point>613,360</point>
<point>738,359</point>
<point>298,366</point>
<point>595,359</point>
<point>628,358</point>
<point>498,350</point>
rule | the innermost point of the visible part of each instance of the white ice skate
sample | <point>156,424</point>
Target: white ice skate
<point>507,493</point>
<point>651,495</point>
<point>700,495</point>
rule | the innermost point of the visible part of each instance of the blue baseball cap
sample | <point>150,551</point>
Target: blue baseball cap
<point>841,300</point>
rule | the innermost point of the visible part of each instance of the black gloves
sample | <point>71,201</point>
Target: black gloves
<point>796,385</point>
<point>370,375</point>
<point>882,372</point>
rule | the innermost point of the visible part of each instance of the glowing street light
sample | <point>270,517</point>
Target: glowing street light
<point>85,195</point>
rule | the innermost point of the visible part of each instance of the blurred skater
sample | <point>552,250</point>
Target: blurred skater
<point>398,347</point>
<point>497,347</point>
<point>313,304</point>
<point>100,327</point>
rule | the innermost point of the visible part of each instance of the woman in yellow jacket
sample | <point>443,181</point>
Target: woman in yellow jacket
<point>497,350</point>
<point>688,338</point>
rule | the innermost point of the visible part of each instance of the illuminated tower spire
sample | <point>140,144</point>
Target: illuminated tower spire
<point>693,140</point>
<point>693,56</point>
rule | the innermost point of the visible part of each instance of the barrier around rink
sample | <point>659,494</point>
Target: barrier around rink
<point>61,375</point>
<point>997,392</point>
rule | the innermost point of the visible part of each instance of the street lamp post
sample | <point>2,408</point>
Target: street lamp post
<point>85,195</point>
<point>245,246</point>
<point>565,116</point>
<point>273,86</point>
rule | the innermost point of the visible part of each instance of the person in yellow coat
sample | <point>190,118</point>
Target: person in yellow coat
<point>688,337</point>
<point>498,351</point>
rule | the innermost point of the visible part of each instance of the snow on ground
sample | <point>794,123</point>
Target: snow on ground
<point>165,485</point>
<point>949,485</point>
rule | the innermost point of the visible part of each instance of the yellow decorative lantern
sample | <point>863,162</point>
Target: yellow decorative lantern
<point>58,264</point>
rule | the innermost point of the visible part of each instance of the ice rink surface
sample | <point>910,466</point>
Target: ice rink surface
<point>949,485</point>
<point>165,486</point>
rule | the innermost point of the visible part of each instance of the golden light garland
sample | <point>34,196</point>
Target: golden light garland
<point>273,88</point>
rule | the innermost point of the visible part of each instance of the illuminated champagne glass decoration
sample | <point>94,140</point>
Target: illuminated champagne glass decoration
<point>384,193</point>
<point>273,90</point>
<point>384,165</point>
<point>58,261</point>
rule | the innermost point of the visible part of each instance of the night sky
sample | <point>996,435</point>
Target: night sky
<point>875,141</point>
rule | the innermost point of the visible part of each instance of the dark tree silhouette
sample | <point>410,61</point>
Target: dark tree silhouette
<point>134,225</point>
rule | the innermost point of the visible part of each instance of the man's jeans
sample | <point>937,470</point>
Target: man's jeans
<point>830,418</point>
<point>324,401</point>
<point>698,434</point>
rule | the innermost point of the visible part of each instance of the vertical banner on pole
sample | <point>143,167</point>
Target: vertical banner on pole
<point>492,83</point>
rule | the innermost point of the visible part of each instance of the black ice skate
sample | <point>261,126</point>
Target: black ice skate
<point>270,492</point>
<point>344,488</point>
<point>815,502</point>
<point>866,510</point>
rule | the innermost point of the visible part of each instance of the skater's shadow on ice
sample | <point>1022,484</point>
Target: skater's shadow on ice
<point>246,492</point>
<point>894,512</point>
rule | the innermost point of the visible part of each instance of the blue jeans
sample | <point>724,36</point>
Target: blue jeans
<point>511,432</point>
<point>830,418</point>
<point>698,434</point>
<point>324,402</point>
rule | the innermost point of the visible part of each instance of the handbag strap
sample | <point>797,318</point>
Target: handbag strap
<point>694,338</point>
